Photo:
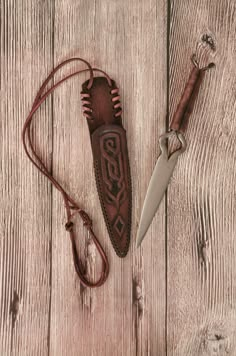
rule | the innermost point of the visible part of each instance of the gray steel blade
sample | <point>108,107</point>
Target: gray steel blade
<point>157,186</point>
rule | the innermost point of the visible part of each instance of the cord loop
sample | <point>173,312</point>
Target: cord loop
<point>70,204</point>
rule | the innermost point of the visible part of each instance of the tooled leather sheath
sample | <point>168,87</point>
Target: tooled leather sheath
<point>102,109</point>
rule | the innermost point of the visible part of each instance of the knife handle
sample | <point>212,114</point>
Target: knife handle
<point>186,104</point>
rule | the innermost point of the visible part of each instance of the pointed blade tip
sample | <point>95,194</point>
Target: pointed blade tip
<point>139,239</point>
<point>138,243</point>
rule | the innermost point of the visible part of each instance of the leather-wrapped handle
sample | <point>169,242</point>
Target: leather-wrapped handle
<point>186,104</point>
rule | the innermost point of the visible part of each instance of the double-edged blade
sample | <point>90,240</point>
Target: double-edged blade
<point>166,163</point>
<point>159,182</point>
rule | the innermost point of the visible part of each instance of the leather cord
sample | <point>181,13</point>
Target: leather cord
<point>70,205</point>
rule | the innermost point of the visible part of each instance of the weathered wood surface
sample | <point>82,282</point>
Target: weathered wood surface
<point>201,225</point>
<point>26,200</point>
<point>175,295</point>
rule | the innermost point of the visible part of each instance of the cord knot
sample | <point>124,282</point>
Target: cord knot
<point>69,226</point>
<point>86,219</point>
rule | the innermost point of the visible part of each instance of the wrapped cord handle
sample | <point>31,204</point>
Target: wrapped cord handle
<point>185,107</point>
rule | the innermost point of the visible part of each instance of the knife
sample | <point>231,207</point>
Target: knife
<point>167,161</point>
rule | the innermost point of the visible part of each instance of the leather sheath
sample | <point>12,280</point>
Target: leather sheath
<point>101,106</point>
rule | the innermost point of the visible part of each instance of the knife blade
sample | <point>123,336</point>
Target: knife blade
<point>159,182</point>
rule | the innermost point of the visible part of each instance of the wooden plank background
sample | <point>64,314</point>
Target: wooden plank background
<point>174,296</point>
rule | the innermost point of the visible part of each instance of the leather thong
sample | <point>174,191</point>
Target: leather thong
<point>102,108</point>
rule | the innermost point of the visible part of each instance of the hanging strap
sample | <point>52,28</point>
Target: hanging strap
<point>71,206</point>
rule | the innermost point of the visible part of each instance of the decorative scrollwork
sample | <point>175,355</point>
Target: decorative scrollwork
<point>112,168</point>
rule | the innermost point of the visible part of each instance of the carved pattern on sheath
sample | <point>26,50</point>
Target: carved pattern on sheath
<point>112,171</point>
<point>102,108</point>
<point>112,174</point>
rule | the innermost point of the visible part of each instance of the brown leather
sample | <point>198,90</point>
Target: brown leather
<point>101,104</point>
<point>185,107</point>
<point>108,139</point>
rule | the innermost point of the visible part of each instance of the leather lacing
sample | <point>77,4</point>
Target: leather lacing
<point>71,206</point>
<point>86,104</point>
<point>116,101</point>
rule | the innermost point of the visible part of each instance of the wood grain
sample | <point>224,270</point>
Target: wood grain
<point>25,257</point>
<point>201,198</point>
<point>127,315</point>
